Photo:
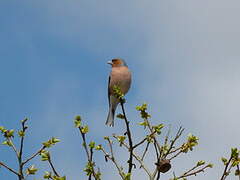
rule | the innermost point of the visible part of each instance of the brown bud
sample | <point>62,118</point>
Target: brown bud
<point>163,165</point>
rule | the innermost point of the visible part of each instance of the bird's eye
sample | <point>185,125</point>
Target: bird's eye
<point>116,61</point>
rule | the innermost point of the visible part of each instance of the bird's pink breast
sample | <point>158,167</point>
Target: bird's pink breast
<point>121,77</point>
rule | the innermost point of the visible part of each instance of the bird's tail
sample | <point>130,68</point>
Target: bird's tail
<point>110,118</point>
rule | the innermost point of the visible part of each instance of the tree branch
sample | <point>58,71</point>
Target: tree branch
<point>129,138</point>
<point>51,164</point>
<point>10,169</point>
<point>33,156</point>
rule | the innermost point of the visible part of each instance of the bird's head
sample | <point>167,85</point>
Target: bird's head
<point>117,62</point>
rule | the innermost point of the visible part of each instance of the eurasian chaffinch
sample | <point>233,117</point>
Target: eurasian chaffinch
<point>120,76</point>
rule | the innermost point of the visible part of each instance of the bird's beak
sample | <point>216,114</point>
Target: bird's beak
<point>110,62</point>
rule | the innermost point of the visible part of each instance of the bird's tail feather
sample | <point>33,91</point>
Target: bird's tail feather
<point>110,118</point>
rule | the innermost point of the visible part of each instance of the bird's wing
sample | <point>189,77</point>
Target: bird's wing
<point>109,79</point>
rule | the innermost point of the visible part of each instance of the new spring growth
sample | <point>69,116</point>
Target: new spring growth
<point>77,121</point>
<point>51,142</point>
<point>191,142</point>
<point>45,155</point>
<point>31,170</point>
<point>117,92</point>
<point>48,175</point>
<point>78,124</point>
<point>143,111</point>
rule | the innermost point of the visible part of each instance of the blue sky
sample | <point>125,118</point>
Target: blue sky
<point>184,56</point>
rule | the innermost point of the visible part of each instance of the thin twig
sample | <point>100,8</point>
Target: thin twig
<point>158,175</point>
<point>238,169</point>
<point>51,164</point>
<point>13,146</point>
<point>156,150</point>
<point>175,150</point>
<point>154,137</point>
<point>174,156</point>
<point>138,158</point>
<point>142,141</point>
<point>34,155</point>
<point>130,161</point>
<point>189,173</point>
<point>145,151</point>
<point>166,140</point>
<point>89,153</point>
<point>8,168</point>
<point>179,133</point>
<point>114,162</point>
<point>84,143</point>
<point>225,169</point>
<point>21,164</point>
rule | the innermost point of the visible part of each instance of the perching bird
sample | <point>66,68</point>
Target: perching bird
<point>120,76</point>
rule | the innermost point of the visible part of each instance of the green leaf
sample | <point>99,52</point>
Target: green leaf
<point>234,153</point>
<point>200,163</point>
<point>45,155</point>
<point>47,175</point>
<point>224,160</point>
<point>77,123</point>
<point>98,147</point>
<point>98,175</point>
<point>127,176</point>
<point>117,92</point>
<point>59,178</point>
<point>8,143</point>
<point>120,116</point>
<point>31,170</point>
<point>89,168</point>
<point>237,172</point>
<point>51,142</point>
<point>92,144</point>
<point>106,138</point>
<point>85,129</point>
<point>142,109</point>
<point>210,165</point>
<point>121,139</point>
<point>149,139</point>
<point>9,133</point>
<point>24,120</point>
<point>78,118</point>
<point>144,123</point>
<point>192,141</point>
<point>235,162</point>
<point>158,128</point>
<point>21,133</point>
<point>2,129</point>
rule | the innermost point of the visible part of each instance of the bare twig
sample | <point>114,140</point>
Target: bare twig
<point>8,168</point>
<point>130,161</point>
<point>51,164</point>
<point>142,141</point>
<point>154,137</point>
<point>111,157</point>
<point>174,156</point>
<point>33,156</point>
<point>21,164</point>
<point>158,175</point>
<point>179,133</point>
<point>13,146</point>
<point>145,151</point>
<point>84,143</point>
<point>238,169</point>
<point>191,172</point>
<point>139,159</point>
<point>89,153</point>
<point>225,172</point>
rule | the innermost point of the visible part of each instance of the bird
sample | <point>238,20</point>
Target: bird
<point>119,76</point>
